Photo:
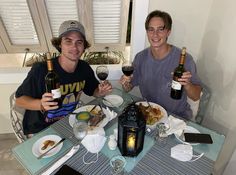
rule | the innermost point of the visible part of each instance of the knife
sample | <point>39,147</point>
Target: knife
<point>149,105</point>
<point>88,111</point>
<point>58,143</point>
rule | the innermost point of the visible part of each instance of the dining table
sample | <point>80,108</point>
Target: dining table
<point>154,159</point>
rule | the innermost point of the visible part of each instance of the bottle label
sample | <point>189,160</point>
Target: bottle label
<point>56,93</point>
<point>176,85</point>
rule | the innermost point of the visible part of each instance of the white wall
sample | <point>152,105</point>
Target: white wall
<point>189,19</point>
<point>11,60</point>
<point>231,168</point>
<point>217,68</point>
<point>140,11</point>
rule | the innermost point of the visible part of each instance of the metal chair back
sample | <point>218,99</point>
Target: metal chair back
<point>16,116</point>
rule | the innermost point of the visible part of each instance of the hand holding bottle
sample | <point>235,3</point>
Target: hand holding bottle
<point>185,78</point>
<point>47,102</point>
<point>52,82</point>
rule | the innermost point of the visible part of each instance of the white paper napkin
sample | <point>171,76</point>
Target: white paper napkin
<point>110,114</point>
<point>176,126</point>
<point>68,155</point>
<point>97,130</point>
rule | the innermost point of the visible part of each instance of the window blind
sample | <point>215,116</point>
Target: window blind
<point>17,21</point>
<point>106,21</point>
<point>59,11</point>
<point>32,23</point>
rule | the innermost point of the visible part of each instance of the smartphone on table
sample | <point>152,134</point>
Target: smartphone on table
<point>198,138</point>
<point>67,170</point>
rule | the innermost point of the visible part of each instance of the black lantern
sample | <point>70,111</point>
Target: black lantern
<point>131,131</point>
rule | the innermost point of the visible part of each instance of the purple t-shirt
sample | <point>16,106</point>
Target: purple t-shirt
<point>154,79</point>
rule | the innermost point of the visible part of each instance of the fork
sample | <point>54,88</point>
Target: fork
<point>149,105</point>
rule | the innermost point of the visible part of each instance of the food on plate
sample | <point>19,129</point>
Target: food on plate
<point>152,114</point>
<point>47,143</point>
<point>96,117</point>
<point>84,115</point>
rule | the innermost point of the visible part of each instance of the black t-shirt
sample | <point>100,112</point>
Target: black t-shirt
<point>71,84</point>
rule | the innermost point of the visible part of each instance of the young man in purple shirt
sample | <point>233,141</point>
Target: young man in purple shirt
<point>154,66</point>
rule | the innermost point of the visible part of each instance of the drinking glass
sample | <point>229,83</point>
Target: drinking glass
<point>127,68</point>
<point>80,129</point>
<point>162,133</point>
<point>118,163</point>
<point>102,73</point>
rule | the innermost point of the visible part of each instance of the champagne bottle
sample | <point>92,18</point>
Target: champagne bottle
<point>176,87</point>
<point>52,82</point>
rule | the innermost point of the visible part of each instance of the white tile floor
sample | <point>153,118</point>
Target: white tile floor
<point>8,164</point>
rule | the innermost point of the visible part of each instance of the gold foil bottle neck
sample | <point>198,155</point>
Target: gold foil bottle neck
<point>182,56</point>
<point>49,61</point>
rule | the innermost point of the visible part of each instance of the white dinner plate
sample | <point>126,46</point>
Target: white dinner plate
<point>87,108</point>
<point>188,129</point>
<point>164,119</point>
<point>113,100</point>
<point>36,148</point>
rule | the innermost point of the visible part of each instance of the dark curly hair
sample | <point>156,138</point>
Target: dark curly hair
<point>163,15</point>
<point>56,42</point>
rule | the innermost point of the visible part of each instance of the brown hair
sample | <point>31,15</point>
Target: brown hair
<point>163,15</point>
<point>56,42</point>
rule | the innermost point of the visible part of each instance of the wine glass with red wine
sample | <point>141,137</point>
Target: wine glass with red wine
<point>127,68</point>
<point>102,73</point>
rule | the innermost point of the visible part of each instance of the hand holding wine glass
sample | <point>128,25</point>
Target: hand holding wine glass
<point>104,87</point>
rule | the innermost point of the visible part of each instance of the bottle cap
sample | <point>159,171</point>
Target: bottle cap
<point>48,55</point>
<point>183,51</point>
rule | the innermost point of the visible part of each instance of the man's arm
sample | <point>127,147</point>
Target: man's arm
<point>193,91</point>
<point>29,103</point>
<point>44,104</point>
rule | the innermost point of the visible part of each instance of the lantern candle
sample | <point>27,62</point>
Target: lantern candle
<point>131,142</point>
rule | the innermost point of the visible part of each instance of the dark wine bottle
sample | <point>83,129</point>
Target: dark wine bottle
<point>176,87</point>
<point>52,82</point>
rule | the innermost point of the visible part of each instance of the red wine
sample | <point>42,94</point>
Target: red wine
<point>102,76</point>
<point>176,87</point>
<point>52,82</point>
<point>127,70</point>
